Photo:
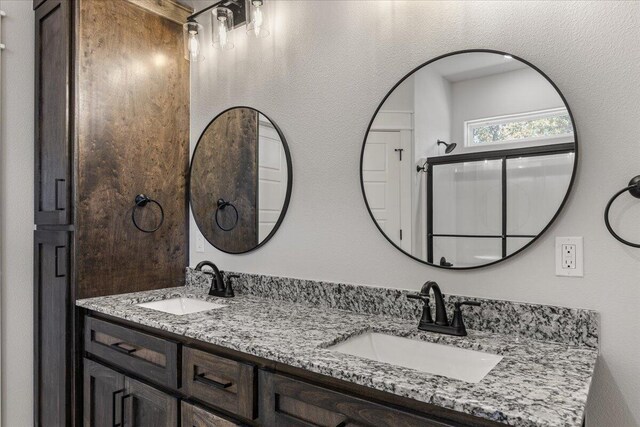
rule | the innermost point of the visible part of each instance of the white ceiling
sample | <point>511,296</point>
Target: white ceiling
<point>474,65</point>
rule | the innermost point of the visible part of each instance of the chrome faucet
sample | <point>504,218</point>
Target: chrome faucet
<point>441,325</point>
<point>218,286</point>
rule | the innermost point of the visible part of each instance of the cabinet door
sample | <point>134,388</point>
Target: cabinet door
<point>194,416</point>
<point>103,391</point>
<point>52,139</point>
<point>287,402</point>
<point>144,406</point>
<point>52,329</point>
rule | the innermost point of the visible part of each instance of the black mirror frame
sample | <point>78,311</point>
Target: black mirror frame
<point>287,199</point>
<point>562,204</point>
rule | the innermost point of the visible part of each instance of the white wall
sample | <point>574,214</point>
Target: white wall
<point>320,77</point>
<point>519,91</point>
<point>16,177</point>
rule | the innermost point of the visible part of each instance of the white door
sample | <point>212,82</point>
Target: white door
<point>381,177</point>
<point>272,178</point>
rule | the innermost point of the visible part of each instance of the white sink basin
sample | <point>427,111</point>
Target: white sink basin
<point>181,306</point>
<point>453,362</point>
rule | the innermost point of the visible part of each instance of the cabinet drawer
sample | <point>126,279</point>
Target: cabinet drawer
<point>193,416</point>
<point>147,356</point>
<point>220,382</point>
<point>286,402</point>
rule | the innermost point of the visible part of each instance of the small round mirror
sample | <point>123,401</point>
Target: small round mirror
<point>240,180</point>
<point>468,159</point>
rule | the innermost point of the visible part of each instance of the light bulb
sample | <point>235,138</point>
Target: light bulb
<point>257,24</point>
<point>257,20</point>
<point>222,32</point>
<point>194,45</point>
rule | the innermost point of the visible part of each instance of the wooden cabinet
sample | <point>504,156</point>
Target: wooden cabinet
<point>95,150</point>
<point>288,402</point>
<point>149,357</point>
<point>52,90</point>
<point>145,406</point>
<point>224,388</point>
<point>194,416</point>
<point>53,353</point>
<point>103,387</point>
<point>220,382</point>
<point>111,398</point>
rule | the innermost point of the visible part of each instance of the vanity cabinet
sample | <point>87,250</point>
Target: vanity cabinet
<point>194,416</point>
<point>289,402</point>
<point>220,382</point>
<point>220,387</point>
<point>111,398</point>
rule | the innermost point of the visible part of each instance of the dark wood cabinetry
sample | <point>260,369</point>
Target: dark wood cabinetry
<point>111,398</point>
<point>111,122</point>
<point>145,406</point>
<point>220,387</point>
<point>289,402</point>
<point>219,381</point>
<point>103,387</point>
<point>52,338</point>
<point>194,416</point>
<point>52,90</point>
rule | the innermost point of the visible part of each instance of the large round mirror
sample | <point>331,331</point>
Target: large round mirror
<point>468,159</point>
<point>240,180</point>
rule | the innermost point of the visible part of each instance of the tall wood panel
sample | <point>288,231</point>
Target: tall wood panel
<point>52,136</point>
<point>112,121</point>
<point>133,137</point>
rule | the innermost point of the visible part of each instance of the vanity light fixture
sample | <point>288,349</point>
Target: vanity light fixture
<point>226,15</point>
<point>221,26</point>
<point>192,35</point>
<point>257,20</point>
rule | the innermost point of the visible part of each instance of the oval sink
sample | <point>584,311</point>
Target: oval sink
<point>453,362</point>
<point>180,306</point>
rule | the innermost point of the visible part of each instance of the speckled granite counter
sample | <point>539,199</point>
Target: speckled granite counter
<point>536,383</point>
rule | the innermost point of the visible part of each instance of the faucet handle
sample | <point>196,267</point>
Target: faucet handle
<point>458,304</point>
<point>228,289</point>
<point>425,319</point>
<point>457,321</point>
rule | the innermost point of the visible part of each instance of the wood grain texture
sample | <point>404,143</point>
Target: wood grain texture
<point>152,358</point>
<point>193,416</point>
<point>238,398</point>
<point>132,137</point>
<point>169,9</point>
<point>225,165</point>
<point>52,140</point>
<point>288,402</point>
<point>52,336</point>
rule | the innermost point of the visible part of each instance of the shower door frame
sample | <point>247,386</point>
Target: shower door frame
<point>503,155</point>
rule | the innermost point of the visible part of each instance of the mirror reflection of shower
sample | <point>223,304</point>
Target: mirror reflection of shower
<point>491,192</point>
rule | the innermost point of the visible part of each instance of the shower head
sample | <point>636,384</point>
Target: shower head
<point>450,147</point>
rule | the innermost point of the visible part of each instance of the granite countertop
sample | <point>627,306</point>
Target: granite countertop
<point>536,383</point>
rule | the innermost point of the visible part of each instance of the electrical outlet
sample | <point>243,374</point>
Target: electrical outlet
<point>569,256</point>
<point>199,243</point>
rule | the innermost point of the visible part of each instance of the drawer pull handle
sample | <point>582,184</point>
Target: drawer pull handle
<point>117,347</point>
<point>113,408</point>
<point>204,380</point>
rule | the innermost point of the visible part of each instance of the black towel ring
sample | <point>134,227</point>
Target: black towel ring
<point>142,201</point>
<point>222,204</point>
<point>634,190</point>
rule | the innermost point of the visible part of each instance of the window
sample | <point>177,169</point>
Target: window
<point>552,125</point>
